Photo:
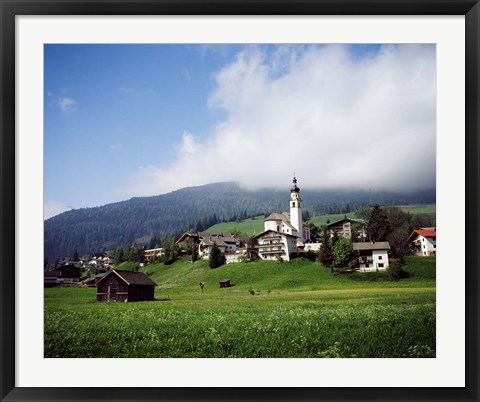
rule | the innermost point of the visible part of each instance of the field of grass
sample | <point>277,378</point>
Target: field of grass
<point>321,220</point>
<point>417,209</point>
<point>296,309</point>
<point>248,226</point>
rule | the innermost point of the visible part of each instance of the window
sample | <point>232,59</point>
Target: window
<point>367,266</point>
<point>293,204</point>
<point>380,265</point>
<point>379,257</point>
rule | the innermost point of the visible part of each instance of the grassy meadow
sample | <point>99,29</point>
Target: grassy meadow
<point>273,309</point>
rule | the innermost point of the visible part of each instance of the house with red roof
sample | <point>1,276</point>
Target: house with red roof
<point>424,241</point>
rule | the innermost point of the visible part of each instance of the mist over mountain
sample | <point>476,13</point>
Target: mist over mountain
<point>139,219</point>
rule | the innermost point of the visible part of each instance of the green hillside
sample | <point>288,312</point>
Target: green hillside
<point>322,220</point>
<point>183,277</point>
<point>250,226</point>
<point>417,209</point>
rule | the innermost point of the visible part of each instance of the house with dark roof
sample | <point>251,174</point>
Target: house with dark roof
<point>226,242</point>
<point>125,286</point>
<point>347,227</point>
<point>372,256</point>
<point>424,241</point>
<point>51,278</point>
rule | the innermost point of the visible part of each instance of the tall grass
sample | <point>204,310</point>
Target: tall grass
<point>296,310</point>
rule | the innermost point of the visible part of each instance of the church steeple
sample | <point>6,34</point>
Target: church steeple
<point>294,185</point>
<point>296,207</point>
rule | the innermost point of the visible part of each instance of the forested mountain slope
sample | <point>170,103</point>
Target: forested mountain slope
<point>137,220</point>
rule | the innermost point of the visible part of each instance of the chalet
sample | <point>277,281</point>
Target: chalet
<point>153,254</point>
<point>272,245</point>
<point>424,241</point>
<point>125,286</point>
<point>349,228</point>
<point>69,274</point>
<point>226,242</point>
<point>372,256</point>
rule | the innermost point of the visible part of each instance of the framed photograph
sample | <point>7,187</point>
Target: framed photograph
<point>194,120</point>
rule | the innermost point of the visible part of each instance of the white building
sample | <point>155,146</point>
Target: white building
<point>424,241</point>
<point>272,245</point>
<point>372,256</point>
<point>290,223</point>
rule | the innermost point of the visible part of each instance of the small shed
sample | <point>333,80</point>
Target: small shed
<point>225,283</point>
<point>125,286</point>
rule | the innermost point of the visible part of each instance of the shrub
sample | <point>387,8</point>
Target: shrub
<point>396,272</point>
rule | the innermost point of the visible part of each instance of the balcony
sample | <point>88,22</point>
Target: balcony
<point>269,252</point>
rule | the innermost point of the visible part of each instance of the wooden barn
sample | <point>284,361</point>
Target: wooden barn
<point>225,283</point>
<point>125,286</point>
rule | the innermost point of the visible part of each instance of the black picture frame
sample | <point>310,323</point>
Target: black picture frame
<point>10,9</point>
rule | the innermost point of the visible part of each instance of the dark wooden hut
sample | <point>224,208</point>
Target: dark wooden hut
<point>225,283</point>
<point>125,286</point>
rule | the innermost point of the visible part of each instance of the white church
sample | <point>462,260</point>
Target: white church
<point>284,233</point>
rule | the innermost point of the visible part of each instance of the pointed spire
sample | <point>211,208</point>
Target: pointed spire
<point>294,184</point>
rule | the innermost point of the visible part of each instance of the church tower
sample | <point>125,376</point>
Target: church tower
<point>296,208</point>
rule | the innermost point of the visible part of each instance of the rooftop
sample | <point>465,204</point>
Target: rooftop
<point>379,245</point>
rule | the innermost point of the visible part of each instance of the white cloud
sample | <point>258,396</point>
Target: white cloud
<point>66,104</point>
<point>52,208</point>
<point>339,121</point>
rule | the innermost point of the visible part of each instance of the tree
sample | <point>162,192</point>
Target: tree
<point>399,244</point>
<point>363,212</point>
<point>396,217</point>
<point>170,250</point>
<point>422,221</point>
<point>192,250</point>
<point>216,257</point>
<point>252,254</point>
<point>314,230</point>
<point>325,255</point>
<point>133,254</point>
<point>342,253</point>
<point>118,255</point>
<point>74,255</point>
<point>378,226</point>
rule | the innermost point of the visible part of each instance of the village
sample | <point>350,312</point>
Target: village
<point>359,244</point>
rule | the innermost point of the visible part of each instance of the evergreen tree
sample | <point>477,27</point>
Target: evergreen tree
<point>363,212</point>
<point>325,255</point>
<point>378,226</point>
<point>398,240</point>
<point>74,255</point>
<point>170,250</point>
<point>118,255</point>
<point>216,257</point>
<point>314,230</point>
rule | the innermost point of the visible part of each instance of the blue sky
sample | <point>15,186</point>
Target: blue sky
<point>136,120</point>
